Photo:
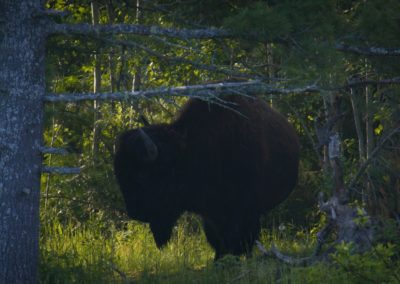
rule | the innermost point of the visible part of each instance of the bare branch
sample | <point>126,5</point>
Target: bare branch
<point>369,51</point>
<point>61,170</point>
<point>390,81</point>
<point>315,255</point>
<point>239,277</point>
<point>274,252</point>
<point>341,217</point>
<point>52,150</point>
<point>364,166</point>
<point>50,13</point>
<point>194,90</point>
<point>88,29</point>
<point>175,45</point>
<point>180,60</point>
<point>249,88</point>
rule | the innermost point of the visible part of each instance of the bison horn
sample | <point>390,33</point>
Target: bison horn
<point>151,148</point>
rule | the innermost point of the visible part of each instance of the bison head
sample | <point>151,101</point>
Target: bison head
<point>146,168</point>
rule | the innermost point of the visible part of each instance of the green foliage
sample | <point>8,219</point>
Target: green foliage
<point>93,253</point>
<point>285,19</point>
<point>375,266</point>
<point>260,21</point>
<point>320,273</point>
<point>74,253</point>
<point>305,29</point>
<point>377,22</point>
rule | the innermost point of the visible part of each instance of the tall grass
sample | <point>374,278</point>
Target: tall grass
<point>91,253</point>
<point>71,254</point>
<point>97,253</point>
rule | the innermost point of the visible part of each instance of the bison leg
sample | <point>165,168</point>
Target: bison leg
<point>234,236</point>
<point>214,238</point>
<point>240,237</point>
<point>162,230</point>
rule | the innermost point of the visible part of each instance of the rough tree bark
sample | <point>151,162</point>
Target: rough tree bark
<point>22,87</point>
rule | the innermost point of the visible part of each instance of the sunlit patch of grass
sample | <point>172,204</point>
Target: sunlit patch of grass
<point>137,253</point>
<point>71,254</point>
<point>97,253</point>
<point>300,243</point>
<point>90,253</point>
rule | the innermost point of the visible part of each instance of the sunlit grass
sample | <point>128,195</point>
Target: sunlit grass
<point>89,253</point>
<point>97,253</point>
<point>137,254</point>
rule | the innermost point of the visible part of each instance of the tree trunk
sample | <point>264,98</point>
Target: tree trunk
<point>369,195</point>
<point>96,87</point>
<point>369,121</point>
<point>357,124</point>
<point>111,59</point>
<point>137,78</point>
<point>22,87</point>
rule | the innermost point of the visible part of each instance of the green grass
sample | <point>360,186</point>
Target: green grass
<point>96,253</point>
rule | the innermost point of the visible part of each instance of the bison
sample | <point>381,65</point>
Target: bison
<point>227,163</point>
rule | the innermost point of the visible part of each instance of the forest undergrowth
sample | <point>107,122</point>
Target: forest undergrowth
<point>97,252</point>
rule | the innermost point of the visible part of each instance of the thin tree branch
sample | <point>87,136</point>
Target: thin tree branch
<point>274,252</point>
<point>50,13</point>
<point>88,29</point>
<point>175,45</point>
<point>315,255</point>
<point>239,277</point>
<point>180,60</point>
<point>248,87</point>
<point>369,51</point>
<point>52,150</point>
<point>372,156</point>
<point>353,83</point>
<point>357,124</point>
<point>61,170</point>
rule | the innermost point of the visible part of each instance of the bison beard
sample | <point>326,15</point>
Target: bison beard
<point>228,167</point>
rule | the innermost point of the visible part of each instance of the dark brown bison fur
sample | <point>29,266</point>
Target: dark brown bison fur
<point>227,167</point>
